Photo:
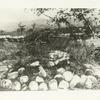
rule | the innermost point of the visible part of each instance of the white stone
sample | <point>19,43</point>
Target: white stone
<point>42,72</point>
<point>88,66</point>
<point>16,86</point>
<point>93,79</point>
<point>51,64</point>
<point>89,84</point>
<point>89,71</point>
<point>60,70</point>
<point>1,83</point>
<point>21,70</point>
<point>24,79</point>
<point>96,69</point>
<point>60,54</point>
<point>68,76</point>
<point>3,68</point>
<point>83,79</point>
<point>2,75</point>
<point>34,64</point>
<point>53,84</point>
<point>33,86</point>
<point>6,83</point>
<point>97,72</point>
<point>12,75</point>
<point>43,87</point>
<point>56,62</point>
<point>39,79</point>
<point>76,79</point>
<point>63,84</point>
<point>51,55</point>
<point>1,63</point>
<point>10,66</point>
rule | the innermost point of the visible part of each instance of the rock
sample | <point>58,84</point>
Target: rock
<point>68,62</point>
<point>63,85</point>
<point>6,83</point>
<point>33,85</point>
<point>23,79</point>
<point>3,69</point>
<point>61,70</point>
<point>10,66</point>
<point>60,54</point>
<point>89,72</point>
<point>56,62</point>
<point>51,55</point>
<point>62,59</point>
<point>1,63</point>
<point>43,87</point>
<point>95,69</point>
<point>1,82</point>
<point>76,80</point>
<point>24,87</point>
<point>42,72</point>
<point>2,75</point>
<point>93,79</point>
<point>51,64</point>
<point>88,84</point>
<point>88,66</point>
<point>97,72</point>
<point>53,84</point>
<point>68,76</point>
<point>12,75</point>
<point>34,64</point>
<point>21,70</point>
<point>16,86</point>
<point>39,79</point>
<point>83,80</point>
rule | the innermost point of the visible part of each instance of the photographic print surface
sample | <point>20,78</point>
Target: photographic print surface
<point>49,49</point>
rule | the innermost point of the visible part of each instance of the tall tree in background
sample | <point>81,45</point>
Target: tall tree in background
<point>71,17</point>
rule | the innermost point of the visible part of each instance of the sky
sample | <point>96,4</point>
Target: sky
<point>11,17</point>
<point>12,11</point>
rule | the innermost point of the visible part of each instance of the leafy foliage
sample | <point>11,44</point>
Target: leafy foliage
<point>80,53</point>
<point>85,18</point>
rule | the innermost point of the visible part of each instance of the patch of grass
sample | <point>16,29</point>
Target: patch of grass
<point>80,53</point>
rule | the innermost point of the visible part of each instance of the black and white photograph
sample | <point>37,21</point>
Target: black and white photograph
<point>49,49</point>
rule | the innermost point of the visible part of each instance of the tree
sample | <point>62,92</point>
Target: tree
<point>84,18</point>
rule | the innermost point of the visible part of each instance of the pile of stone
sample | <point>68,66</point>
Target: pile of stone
<point>57,56</point>
<point>64,79</point>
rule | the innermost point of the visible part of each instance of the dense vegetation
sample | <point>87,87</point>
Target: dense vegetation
<point>54,48</point>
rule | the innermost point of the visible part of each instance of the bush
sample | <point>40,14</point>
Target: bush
<point>8,50</point>
<point>80,53</point>
<point>97,54</point>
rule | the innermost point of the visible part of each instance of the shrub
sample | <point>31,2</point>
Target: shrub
<point>97,54</point>
<point>8,50</point>
<point>80,53</point>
